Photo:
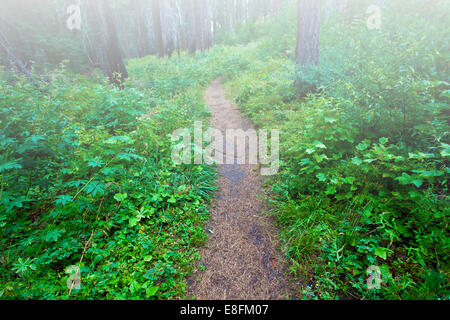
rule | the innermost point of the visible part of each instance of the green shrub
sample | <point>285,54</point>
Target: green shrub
<point>364,154</point>
<point>86,179</point>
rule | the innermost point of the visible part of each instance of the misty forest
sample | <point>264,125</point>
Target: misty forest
<point>354,96</point>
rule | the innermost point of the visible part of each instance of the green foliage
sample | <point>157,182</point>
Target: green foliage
<point>86,180</point>
<point>364,153</point>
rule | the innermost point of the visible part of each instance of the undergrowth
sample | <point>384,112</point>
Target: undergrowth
<point>86,177</point>
<point>364,153</point>
<point>86,180</point>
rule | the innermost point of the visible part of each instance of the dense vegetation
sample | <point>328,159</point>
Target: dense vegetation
<point>86,177</point>
<point>87,180</point>
<point>365,152</point>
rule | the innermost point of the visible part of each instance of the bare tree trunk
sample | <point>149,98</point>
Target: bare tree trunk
<point>235,11</point>
<point>157,27</point>
<point>126,43</point>
<point>139,8</point>
<point>106,42</point>
<point>221,14</point>
<point>215,25</point>
<point>308,32</point>
<point>198,25</point>
<point>206,24</point>
<point>191,27</point>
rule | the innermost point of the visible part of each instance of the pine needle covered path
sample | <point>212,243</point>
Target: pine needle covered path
<point>240,260</point>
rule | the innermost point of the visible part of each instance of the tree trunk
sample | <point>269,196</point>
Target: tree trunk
<point>191,27</point>
<point>198,25</point>
<point>106,42</point>
<point>139,9</point>
<point>308,32</point>
<point>157,27</point>
<point>206,25</point>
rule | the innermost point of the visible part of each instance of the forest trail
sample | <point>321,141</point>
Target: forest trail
<point>241,260</point>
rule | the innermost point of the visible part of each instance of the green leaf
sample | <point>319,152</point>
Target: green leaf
<point>129,156</point>
<point>151,291</point>
<point>417,182</point>
<point>120,197</point>
<point>156,198</point>
<point>357,161</point>
<point>172,200</point>
<point>134,221</point>
<point>363,146</point>
<point>95,163</point>
<point>95,187</point>
<point>119,139</point>
<point>10,166</point>
<point>305,162</point>
<point>321,177</point>
<point>445,150</point>
<point>319,145</point>
<point>425,174</point>
<point>330,190</point>
<point>63,200</point>
<point>53,235</point>
<point>330,120</point>
<point>381,252</point>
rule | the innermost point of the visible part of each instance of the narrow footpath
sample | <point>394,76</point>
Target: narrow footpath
<point>241,259</point>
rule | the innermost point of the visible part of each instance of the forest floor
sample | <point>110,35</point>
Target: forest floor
<point>241,260</point>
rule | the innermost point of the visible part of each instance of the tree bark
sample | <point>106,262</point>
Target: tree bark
<point>139,9</point>
<point>157,27</point>
<point>308,32</point>
<point>106,42</point>
<point>198,25</point>
<point>191,27</point>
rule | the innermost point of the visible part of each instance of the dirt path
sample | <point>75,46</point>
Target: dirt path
<point>241,260</point>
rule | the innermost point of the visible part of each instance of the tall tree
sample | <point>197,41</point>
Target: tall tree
<point>157,26</point>
<point>191,26</point>
<point>106,43</point>
<point>139,10</point>
<point>198,25</point>
<point>308,32</point>
<point>206,24</point>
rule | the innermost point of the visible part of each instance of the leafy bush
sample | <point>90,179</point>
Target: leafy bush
<point>86,180</point>
<point>364,154</point>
